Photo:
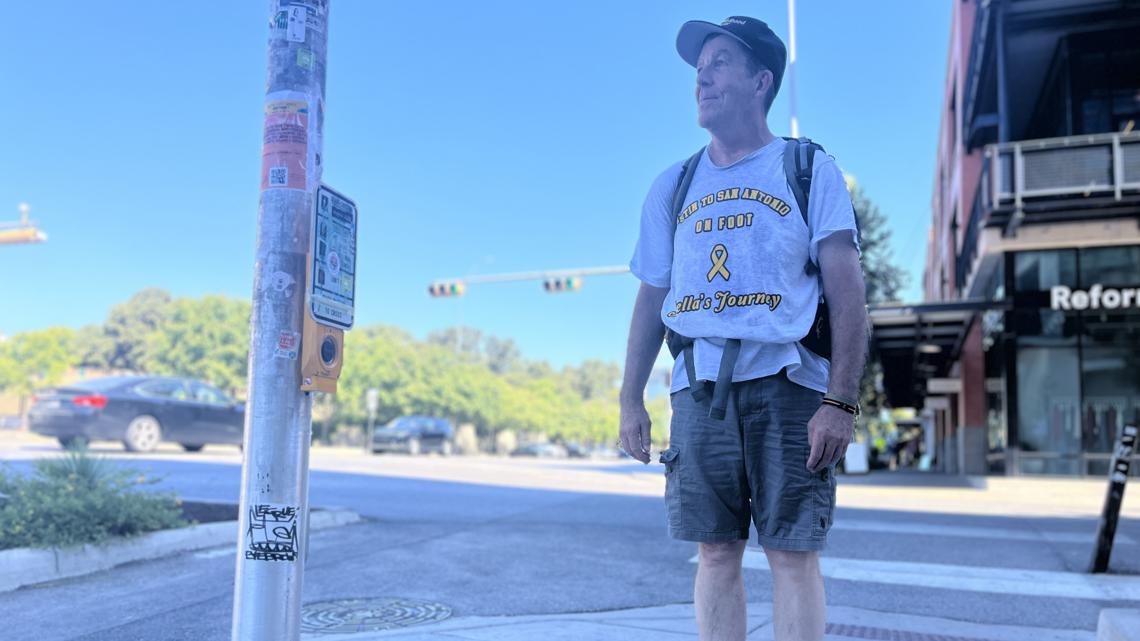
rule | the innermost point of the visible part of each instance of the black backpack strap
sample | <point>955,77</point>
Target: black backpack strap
<point>696,388</point>
<point>683,345</point>
<point>683,182</point>
<point>723,385</point>
<point>799,156</point>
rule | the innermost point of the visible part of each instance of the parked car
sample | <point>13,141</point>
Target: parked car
<point>541,450</point>
<point>140,411</point>
<point>415,435</point>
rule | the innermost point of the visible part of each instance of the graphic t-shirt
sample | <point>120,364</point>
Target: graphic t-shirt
<point>734,262</point>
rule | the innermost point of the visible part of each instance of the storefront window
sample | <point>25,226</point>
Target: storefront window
<point>1038,271</point>
<point>1076,378</point>
<point>1110,375</point>
<point>1049,422</point>
<point>1110,266</point>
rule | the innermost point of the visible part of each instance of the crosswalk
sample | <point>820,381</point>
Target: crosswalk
<point>972,532</point>
<point>970,578</point>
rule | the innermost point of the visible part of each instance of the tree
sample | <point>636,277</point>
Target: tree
<point>92,345</point>
<point>130,326</point>
<point>32,360</point>
<point>502,355</point>
<point>465,341</point>
<point>206,338</point>
<point>883,278</point>
<point>593,379</point>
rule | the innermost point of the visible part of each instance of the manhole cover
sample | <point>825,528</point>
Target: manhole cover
<point>367,615</point>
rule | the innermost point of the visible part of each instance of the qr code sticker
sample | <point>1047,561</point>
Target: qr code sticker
<point>279,176</point>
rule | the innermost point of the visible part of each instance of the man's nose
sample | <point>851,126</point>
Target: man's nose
<point>704,76</point>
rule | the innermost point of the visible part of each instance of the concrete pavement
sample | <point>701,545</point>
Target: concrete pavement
<point>525,549</point>
<point>677,622</point>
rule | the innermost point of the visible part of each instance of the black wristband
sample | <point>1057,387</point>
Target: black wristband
<point>850,409</point>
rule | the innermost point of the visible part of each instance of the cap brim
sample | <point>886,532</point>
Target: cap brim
<point>691,38</point>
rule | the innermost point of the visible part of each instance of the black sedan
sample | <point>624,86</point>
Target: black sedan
<point>415,435</point>
<point>140,411</point>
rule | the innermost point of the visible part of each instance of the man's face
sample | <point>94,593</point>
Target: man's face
<point>726,92</point>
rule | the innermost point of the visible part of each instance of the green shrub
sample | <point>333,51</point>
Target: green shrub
<point>80,499</point>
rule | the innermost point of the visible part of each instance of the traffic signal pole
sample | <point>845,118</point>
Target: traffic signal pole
<point>278,427</point>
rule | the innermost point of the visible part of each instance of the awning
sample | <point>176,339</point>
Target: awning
<point>915,343</point>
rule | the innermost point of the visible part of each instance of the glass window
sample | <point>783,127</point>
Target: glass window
<point>1043,327</point>
<point>1049,465</point>
<point>1039,271</point>
<point>1111,266</point>
<point>210,395</point>
<point>1110,375</point>
<point>1048,391</point>
<point>162,389</point>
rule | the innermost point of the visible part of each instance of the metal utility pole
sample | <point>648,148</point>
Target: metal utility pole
<point>278,424</point>
<point>792,67</point>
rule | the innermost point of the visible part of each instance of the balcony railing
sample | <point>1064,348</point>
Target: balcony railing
<point>1051,179</point>
<point>1103,165</point>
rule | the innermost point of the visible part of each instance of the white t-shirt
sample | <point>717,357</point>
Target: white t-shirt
<point>735,262</point>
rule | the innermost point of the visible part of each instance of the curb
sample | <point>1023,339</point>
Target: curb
<point>20,567</point>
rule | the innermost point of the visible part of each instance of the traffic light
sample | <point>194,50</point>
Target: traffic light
<point>452,288</point>
<point>564,284</point>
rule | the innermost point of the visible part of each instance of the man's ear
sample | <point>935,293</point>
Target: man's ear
<point>761,83</point>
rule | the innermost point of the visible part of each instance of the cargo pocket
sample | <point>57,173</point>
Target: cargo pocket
<point>672,485</point>
<point>823,503</point>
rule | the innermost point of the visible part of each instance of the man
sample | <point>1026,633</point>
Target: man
<point>729,272</point>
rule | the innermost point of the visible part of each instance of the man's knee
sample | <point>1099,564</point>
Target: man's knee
<point>722,556</point>
<point>793,565</point>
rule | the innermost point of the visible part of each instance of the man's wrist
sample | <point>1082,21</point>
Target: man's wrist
<point>630,398</point>
<point>842,398</point>
<point>831,401</point>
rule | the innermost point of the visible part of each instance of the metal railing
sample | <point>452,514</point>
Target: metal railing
<point>964,262</point>
<point>1077,166</point>
<point>1024,172</point>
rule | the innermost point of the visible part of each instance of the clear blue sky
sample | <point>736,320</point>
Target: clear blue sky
<point>476,137</point>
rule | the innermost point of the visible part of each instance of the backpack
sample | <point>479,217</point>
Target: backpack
<point>799,154</point>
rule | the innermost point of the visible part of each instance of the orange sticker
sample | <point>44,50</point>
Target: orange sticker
<point>285,145</point>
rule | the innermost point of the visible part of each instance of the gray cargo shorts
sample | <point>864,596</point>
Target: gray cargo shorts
<point>749,467</point>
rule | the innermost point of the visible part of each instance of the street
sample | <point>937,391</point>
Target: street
<point>488,536</point>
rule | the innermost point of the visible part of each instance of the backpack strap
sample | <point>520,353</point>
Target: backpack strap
<point>683,345</point>
<point>799,156</point>
<point>683,182</point>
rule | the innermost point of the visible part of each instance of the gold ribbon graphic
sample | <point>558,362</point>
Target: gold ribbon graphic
<point>719,256</point>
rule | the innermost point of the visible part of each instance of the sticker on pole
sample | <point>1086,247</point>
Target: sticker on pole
<point>332,286</point>
<point>272,533</point>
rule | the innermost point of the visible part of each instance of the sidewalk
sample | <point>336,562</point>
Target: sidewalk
<point>676,622</point>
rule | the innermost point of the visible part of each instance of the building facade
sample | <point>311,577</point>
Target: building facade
<point>1025,354</point>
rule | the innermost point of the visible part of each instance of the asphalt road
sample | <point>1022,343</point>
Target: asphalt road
<point>489,536</point>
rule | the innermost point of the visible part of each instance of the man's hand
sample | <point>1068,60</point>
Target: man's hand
<point>635,427</point>
<point>829,432</point>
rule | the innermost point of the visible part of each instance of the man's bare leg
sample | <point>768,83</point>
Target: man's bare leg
<point>798,609</point>
<point>719,592</point>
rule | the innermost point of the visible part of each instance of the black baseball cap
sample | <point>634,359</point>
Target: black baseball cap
<point>755,35</point>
